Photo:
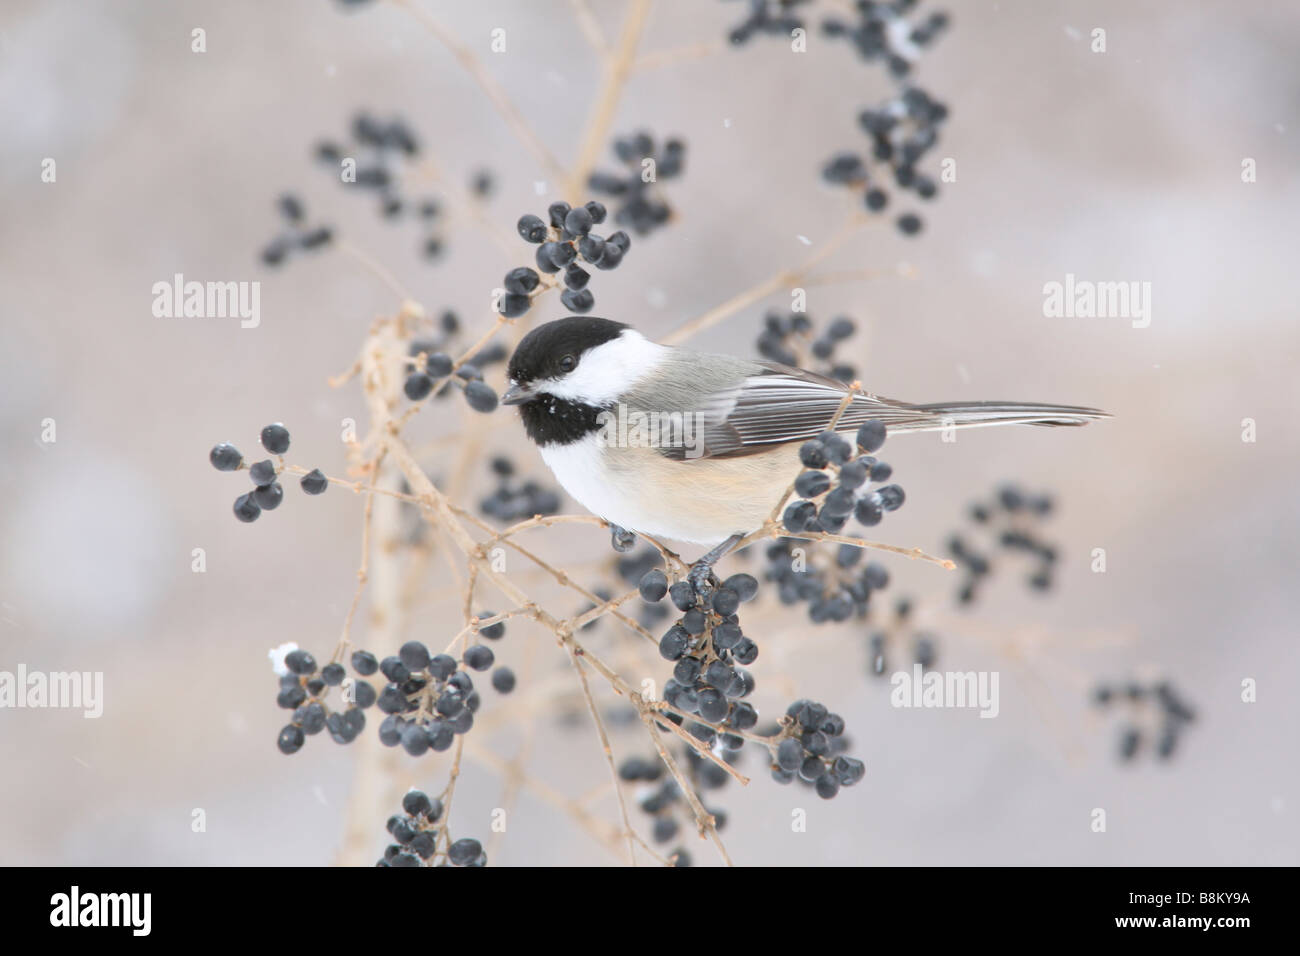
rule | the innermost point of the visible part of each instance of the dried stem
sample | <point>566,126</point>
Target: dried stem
<point>617,69</point>
<point>488,83</point>
<point>782,279</point>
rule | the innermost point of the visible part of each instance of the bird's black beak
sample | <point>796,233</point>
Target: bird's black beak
<point>517,394</point>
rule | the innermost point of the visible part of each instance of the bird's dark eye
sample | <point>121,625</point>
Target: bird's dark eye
<point>568,363</point>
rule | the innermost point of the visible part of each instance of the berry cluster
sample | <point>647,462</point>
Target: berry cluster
<point>1157,706</point>
<point>430,698</point>
<point>903,128</point>
<point>835,485</point>
<point>1009,521</point>
<point>881,31</point>
<point>899,632</point>
<point>303,689</point>
<point>902,131</point>
<point>834,593</point>
<point>418,831</point>
<point>640,207</point>
<point>514,501</point>
<point>434,371</point>
<point>267,491</point>
<point>296,234</point>
<point>561,246</point>
<point>789,338</point>
<point>381,150</point>
<point>710,652</point>
<point>772,17</point>
<point>811,750</point>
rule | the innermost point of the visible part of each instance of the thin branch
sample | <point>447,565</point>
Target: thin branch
<point>617,70</point>
<point>782,279</point>
<point>590,28</point>
<point>605,747</point>
<point>488,83</point>
<point>373,266</point>
<point>363,577</point>
<point>703,819</point>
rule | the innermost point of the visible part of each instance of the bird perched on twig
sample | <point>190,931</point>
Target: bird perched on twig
<point>693,446</point>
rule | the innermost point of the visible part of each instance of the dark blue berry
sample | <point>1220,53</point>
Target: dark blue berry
<point>653,585</point>
<point>364,663</point>
<point>246,509</point>
<point>578,221</point>
<point>543,258</point>
<point>810,484</point>
<point>591,248</point>
<point>262,473</point>
<point>674,643</point>
<point>493,632</point>
<point>479,657</point>
<point>745,585</point>
<point>291,739</point>
<point>579,301</point>
<point>225,457</point>
<point>789,754</point>
<point>813,454</point>
<point>871,435</point>
<point>333,674</point>
<point>314,482</point>
<point>891,497</point>
<point>682,594</point>
<point>268,497</point>
<point>481,397</point>
<point>275,439</point>
<point>395,670</point>
<point>464,852</point>
<point>442,666</point>
<point>531,228</point>
<point>521,281</point>
<point>300,662</point>
<point>311,718</point>
<point>414,655</point>
<point>798,515</point>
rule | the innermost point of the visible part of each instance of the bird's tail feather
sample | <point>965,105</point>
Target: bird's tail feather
<point>940,415</point>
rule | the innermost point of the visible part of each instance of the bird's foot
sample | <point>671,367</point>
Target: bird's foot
<point>701,576</point>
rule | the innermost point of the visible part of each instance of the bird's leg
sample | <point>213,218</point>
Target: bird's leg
<point>702,569</point>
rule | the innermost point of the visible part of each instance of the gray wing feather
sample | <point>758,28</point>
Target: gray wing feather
<point>751,406</point>
<point>783,404</point>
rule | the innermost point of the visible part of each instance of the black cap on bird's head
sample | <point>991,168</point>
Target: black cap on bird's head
<point>553,350</point>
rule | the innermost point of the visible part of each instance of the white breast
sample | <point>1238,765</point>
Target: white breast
<point>701,502</point>
<point>579,468</point>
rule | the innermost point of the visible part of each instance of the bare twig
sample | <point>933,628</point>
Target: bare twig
<point>783,279</point>
<point>488,83</point>
<point>590,28</point>
<point>617,70</point>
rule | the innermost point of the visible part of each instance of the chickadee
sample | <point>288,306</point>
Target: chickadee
<point>691,446</point>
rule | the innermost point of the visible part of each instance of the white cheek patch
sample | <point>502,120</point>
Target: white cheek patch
<point>607,371</point>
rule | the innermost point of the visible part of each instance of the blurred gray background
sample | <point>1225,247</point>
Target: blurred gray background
<point>1116,166</point>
